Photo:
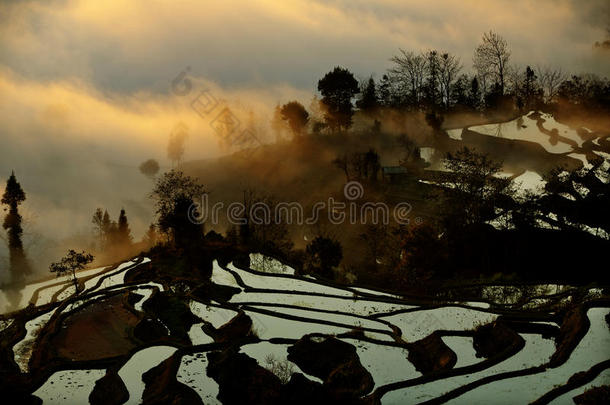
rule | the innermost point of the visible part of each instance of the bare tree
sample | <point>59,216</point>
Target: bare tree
<point>491,58</point>
<point>410,69</point>
<point>449,69</point>
<point>175,147</point>
<point>550,79</point>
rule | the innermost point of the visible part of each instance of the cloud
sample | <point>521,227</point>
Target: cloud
<point>85,86</point>
<point>75,148</point>
<point>140,44</point>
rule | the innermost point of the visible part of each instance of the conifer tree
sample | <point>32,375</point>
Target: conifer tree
<point>123,232</point>
<point>13,197</point>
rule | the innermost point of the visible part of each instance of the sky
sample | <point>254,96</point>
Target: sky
<point>86,86</point>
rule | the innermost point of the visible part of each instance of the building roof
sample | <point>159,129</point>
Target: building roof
<point>393,170</point>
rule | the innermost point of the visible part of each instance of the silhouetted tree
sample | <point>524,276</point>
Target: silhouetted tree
<point>587,92</point>
<point>323,254</point>
<point>98,225</point>
<point>491,59</point>
<point>107,226</point>
<point>123,232</point>
<point>431,88</point>
<point>474,94</point>
<point>449,69</point>
<point>297,117</point>
<point>528,92</point>
<point>424,254</point>
<point>261,230</point>
<point>385,91</point>
<point>459,93</point>
<point>151,236</point>
<point>471,188</point>
<point>149,168</point>
<point>410,72</point>
<point>435,120</point>
<point>368,102</point>
<point>13,197</point>
<point>550,80</point>
<point>338,87</point>
<point>175,147</point>
<point>174,194</point>
<point>71,263</point>
<point>278,125</point>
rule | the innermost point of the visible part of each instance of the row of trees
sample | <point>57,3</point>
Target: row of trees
<point>434,81</point>
<point>360,166</point>
<point>111,234</point>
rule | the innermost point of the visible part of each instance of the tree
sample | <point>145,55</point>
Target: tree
<point>474,94</point>
<point>471,188</point>
<point>124,238</point>
<point>460,91</point>
<point>174,194</point>
<point>107,226</point>
<point>423,255</point>
<point>449,69</point>
<point>550,80</point>
<point>70,264</point>
<point>338,87</point>
<point>261,231</point>
<point>149,168</point>
<point>368,102</point>
<point>296,115</point>
<point>385,91</point>
<point>175,146</point>
<point>13,197</point>
<point>491,58</point>
<point>98,225</point>
<point>323,255</point>
<point>410,72</point>
<point>278,125</point>
<point>431,88</point>
<point>151,236</point>
<point>529,94</point>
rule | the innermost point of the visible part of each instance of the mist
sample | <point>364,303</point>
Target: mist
<point>86,88</point>
<point>75,149</point>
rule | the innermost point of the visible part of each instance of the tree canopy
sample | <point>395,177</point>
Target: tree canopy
<point>338,87</point>
<point>296,115</point>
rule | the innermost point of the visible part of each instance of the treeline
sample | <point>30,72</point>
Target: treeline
<point>436,81</point>
<point>113,239</point>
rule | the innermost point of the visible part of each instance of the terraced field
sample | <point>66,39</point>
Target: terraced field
<point>130,337</point>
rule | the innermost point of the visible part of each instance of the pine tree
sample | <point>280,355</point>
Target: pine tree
<point>123,232</point>
<point>13,197</point>
<point>106,230</point>
<point>151,236</point>
<point>98,224</point>
<point>368,102</point>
